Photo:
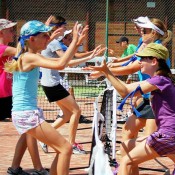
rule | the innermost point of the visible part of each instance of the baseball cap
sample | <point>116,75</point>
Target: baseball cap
<point>123,38</point>
<point>146,23</point>
<point>33,27</point>
<point>5,24</point>
<point>154,50</point>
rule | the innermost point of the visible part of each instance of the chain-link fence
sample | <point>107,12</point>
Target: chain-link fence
<point>93,13</point>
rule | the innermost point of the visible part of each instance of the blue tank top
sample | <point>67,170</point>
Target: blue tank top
<point>25,86</point>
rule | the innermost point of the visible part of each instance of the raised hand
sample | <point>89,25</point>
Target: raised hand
<point>82,33</point>
<point>48,21</point>
<point>58,32</point>
<point>96,52</point>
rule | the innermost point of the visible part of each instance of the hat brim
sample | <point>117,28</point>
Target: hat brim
<point>67,32</point>
<point>144,25</point>
<point>12,24</point>
<point>46,29</point>
<point>147,53</point>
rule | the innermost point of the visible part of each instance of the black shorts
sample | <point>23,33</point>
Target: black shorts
<point>5,107</point>
<point>55,93</point>
<point>145,110</point>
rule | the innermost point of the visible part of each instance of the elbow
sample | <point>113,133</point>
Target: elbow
<point>123,95</point>
<point>61,66</point>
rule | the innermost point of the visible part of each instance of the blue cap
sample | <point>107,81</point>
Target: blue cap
<point>33,27</point>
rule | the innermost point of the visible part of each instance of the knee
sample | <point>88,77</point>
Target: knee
<point>77,112</point>
<point>67,150</point>
<point>126,130</point>
<point>129,130</point>
<point>126,161</point>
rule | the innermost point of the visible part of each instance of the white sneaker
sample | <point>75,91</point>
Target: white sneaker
<point>44,147</point>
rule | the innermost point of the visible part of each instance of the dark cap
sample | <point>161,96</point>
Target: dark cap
<point>123,38</point>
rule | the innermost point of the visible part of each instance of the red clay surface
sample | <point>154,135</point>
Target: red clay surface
<point>9,137</point>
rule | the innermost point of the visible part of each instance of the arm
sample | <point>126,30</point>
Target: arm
<point>95,52</point>
<point>36,60</point>
<point>125,70</point>
<point>123,88</point>
<point>83,54</point>
<point>9,51</point>
<point>123,59</point>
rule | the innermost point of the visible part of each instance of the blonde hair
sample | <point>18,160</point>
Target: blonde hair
<point>157,22</point>
<point>15,65</point>
<point>168,38</point>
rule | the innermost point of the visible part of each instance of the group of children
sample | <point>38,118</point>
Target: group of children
<point>38,47</point>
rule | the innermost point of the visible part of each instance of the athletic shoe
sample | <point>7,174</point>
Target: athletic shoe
<point>41,172</point>
<point>17,171</point>
<point>78,149</point>
<point>44,147</point>
<point>84,120</point>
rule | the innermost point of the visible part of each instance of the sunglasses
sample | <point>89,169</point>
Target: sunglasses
<point>147,57</point>
<point>146,30</point>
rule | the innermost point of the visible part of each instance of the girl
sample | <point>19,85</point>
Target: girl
<point>6,53</point>
<point>55,92</point>
<point>26,116</point>
<point>162,88</point>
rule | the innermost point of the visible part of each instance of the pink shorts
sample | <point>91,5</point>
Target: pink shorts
<point>26,120</point>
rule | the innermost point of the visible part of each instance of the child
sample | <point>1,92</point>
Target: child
<point>161,85</point>
<point>26,116</point>
<point>6,53</point>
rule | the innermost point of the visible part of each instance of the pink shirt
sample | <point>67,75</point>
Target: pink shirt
<point>5,78</point>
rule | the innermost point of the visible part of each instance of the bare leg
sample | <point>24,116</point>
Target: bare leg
<point>135,152</point>
<point>20,149</point>
<point>131,127</point>
<point>47,134</point>
<point>150,126</point>
<point>33,150</point>
<point>71,111</point>
<point>25,141</point>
